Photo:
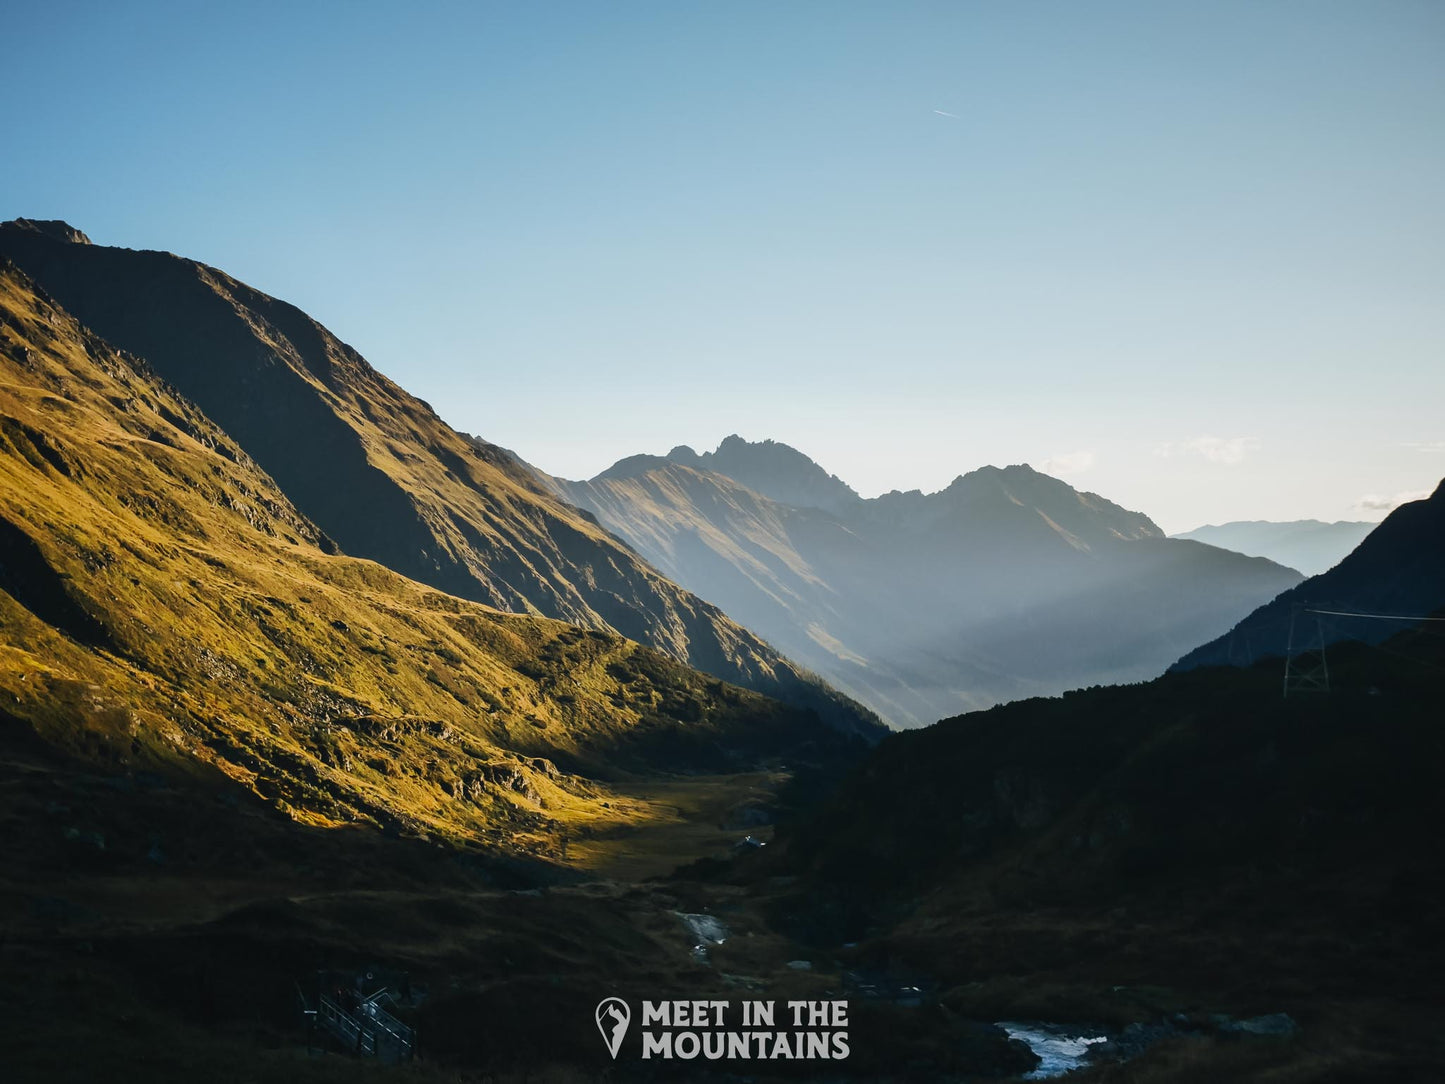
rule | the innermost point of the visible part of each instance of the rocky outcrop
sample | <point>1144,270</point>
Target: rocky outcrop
<point>52,228</point>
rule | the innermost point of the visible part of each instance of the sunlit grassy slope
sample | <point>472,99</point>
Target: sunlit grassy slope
<point>164,607</point>
<point>379,471</point>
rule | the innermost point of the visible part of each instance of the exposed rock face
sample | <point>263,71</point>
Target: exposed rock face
<point>52,228</point>
<point>378,471</point>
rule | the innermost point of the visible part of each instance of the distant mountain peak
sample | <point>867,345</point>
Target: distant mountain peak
<point>1014,471</point>
<point>733,443</point>
<point>981,495</point>
<point>53,228</point>
<point>635,465</point>
<point>1310,545</point>
<point>776,470</point>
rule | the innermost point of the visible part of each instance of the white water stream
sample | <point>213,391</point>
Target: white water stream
<point>1060,1050</point>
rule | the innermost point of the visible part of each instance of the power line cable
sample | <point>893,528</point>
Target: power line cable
<point>1380,617</point>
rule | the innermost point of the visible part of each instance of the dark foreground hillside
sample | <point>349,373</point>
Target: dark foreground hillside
<point>1158,854</point>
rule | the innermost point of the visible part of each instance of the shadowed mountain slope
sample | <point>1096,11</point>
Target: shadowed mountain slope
<point>1307,545</point>
<point>165,608</point>
<point>377,470</point>
<point>1103,792</point>
<point>1008,583</point>
<point>1398,570</point>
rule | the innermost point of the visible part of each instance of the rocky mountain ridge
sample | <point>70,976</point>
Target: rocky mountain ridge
<point>1308,545</point>
<point>1007,583</point>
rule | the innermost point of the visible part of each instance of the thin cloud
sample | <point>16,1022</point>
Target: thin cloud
<point>1230,452</point>
<point>1430,447</point>
<point>945,113</point>
<point>1067,463</point>
<point>1373,502</point>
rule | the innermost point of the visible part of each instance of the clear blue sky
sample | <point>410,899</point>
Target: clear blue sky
<point>1188,255</point>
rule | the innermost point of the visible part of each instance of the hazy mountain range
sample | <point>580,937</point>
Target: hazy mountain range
<point>1307,545</point>
<point>1008,583</point>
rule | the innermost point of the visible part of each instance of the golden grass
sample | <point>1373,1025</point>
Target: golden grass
<point>682,817</point>
<point>338,690</point>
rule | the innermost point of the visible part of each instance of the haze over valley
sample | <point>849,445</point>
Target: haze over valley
<point>1006,584</point>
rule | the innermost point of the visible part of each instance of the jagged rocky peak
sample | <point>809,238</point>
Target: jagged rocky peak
<point>1016,473</point>
<point>684,455</point>
<point>1017,478</point>
<point>775,470</point>
<point>53,228</point>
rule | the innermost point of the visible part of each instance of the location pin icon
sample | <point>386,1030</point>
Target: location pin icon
<point>613,1016</point>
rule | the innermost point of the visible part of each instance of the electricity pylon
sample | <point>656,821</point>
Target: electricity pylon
<point>1304,673</point>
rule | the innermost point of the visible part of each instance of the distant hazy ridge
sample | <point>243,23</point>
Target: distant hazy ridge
<point>1008,583</point>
